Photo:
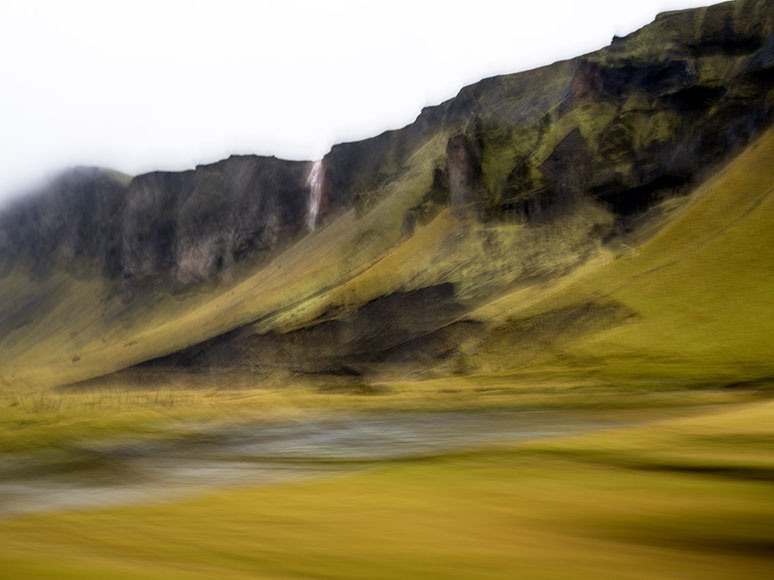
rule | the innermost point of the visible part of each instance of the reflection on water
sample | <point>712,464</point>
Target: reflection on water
<point>123,473</point>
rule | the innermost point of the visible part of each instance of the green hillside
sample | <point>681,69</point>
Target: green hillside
<point>692,303</point>
<point>528,201</point>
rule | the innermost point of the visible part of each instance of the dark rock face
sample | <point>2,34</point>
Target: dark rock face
<point>568,169</point>
<point>680,95</point>
<point>173,229</point>
<point>355,171</point>
<point>398,328</point>
<point>463,166</point>
<point>205,221</point>
<point>75,221</point>
<point>655,78</point>
<point>675,98</point>
<point>696,112</point>
<point>587,83</point>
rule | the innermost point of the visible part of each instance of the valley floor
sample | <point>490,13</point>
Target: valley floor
<point>678,484</point>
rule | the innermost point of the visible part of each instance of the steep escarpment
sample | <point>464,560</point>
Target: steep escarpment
<point>644,117</point>
<point>519,182</point>
<point>625,126</point>
<point>160,230</point>
<point>192,226</point>
<point>76,221</point>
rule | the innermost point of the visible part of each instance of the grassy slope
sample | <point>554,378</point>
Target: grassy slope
<point>107,342</point>
<point>701,290</point>
<point>346,264</point>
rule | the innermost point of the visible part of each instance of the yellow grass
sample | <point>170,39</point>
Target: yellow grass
<point>608,505</point>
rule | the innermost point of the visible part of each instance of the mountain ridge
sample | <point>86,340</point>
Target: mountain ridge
<point>516,182</point>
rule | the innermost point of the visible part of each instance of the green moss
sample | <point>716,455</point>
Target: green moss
<point>590,118</point>
<point>700,291</point>
<point>510,158</point>
<point>502,151</point>
<point>636,102</point>
<point>714,70</point>
<point>660,127</point>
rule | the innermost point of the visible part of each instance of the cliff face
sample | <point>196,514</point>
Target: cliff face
<point>190,227</point>
<point>552,162</point>
<point>651,111</point>
<point>625,126</point>
<point>161,229</point>
<point>71,222</point>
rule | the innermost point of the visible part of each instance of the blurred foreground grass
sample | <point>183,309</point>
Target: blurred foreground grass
<point>35,421</point>
<point>688,497</point>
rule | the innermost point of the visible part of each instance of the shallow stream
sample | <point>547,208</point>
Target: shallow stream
<point>201,458</point>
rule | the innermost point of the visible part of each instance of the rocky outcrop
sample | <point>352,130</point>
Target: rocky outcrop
<point>587,83</point>
<point>193,226</point>
<point>399,328</point>
<point>467,192</point>
<point>653,110</point>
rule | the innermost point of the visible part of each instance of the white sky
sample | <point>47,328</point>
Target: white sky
<point>140,85</point>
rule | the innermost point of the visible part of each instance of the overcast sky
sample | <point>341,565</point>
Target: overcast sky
<point>140,85</point>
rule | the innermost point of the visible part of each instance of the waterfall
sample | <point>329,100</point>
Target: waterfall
<point>315,183</point>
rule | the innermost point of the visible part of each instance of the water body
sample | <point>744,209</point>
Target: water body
<point>128,472</point>
<point>315,184</point>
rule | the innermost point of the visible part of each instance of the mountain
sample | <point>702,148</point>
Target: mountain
<point>604,216</point>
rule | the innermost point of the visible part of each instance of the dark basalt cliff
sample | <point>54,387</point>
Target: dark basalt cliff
<point>625,125</point>
<point>651,112</point>
<point>162,229</point>
<point>194,225</point>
